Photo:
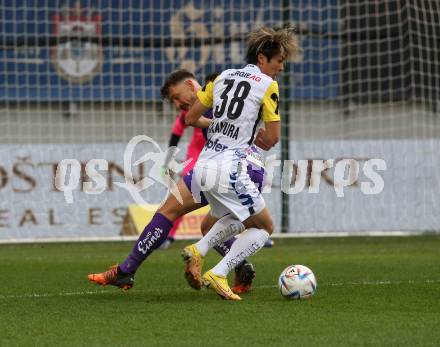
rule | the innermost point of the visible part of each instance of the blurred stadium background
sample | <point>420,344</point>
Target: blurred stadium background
<point>79,79</point>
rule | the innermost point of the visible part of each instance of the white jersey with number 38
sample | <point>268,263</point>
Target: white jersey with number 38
<point>240,99</point>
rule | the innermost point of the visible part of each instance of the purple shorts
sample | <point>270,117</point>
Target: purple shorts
<point>256,173</point>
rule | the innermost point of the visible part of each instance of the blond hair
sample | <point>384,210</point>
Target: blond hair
<point>270,42</point>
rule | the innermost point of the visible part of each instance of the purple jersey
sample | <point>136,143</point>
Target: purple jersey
<point>207,114</point>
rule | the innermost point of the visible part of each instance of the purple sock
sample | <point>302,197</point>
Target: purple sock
<point>154,234</point>
<point>224,247</point>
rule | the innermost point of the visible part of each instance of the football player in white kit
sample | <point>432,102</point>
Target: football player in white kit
<point>241,99</point>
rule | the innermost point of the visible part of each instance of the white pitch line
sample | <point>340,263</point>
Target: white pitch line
<point>380,283</point>
<point>49,295</point>
<point>370,283</point>
<point>95,292</point>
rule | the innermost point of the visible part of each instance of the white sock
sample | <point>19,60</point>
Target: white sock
<point>249,243</point>
<point>222,230</point>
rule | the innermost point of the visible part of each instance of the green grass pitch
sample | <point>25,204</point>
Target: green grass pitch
<point>382,291</point>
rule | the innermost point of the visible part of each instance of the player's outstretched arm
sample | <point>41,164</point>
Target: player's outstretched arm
<point>195,112</point>
<point>203,122</point>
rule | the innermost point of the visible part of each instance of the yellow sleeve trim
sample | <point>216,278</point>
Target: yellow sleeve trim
<point>206,93</point>
<point>270,104</point>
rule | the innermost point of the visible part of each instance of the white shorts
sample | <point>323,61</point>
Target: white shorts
<point>228,188</point>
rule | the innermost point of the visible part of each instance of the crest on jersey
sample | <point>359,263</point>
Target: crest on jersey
<point>77,55</point>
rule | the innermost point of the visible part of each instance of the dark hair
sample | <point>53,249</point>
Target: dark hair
<point>174,78</point>
<point>270,42</point>
<point>211,77</point>
<point>269,50</point>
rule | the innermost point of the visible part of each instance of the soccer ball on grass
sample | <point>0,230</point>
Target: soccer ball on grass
<point>297,282</point>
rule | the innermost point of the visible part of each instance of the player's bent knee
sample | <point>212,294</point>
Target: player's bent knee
<point>262,220</point>
<point>207,224</point>
<point>204,227</point>
<point>172,209</point>
<point>268,227</point>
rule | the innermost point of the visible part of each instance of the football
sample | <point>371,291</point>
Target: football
<point>297,282</point>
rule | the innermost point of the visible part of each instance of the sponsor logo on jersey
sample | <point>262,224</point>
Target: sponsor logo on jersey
<point>215,146</point>
<point>247,75</point>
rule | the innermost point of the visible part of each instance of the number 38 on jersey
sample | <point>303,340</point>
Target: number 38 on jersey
<point>240,99</point>
<point>234,106</point>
